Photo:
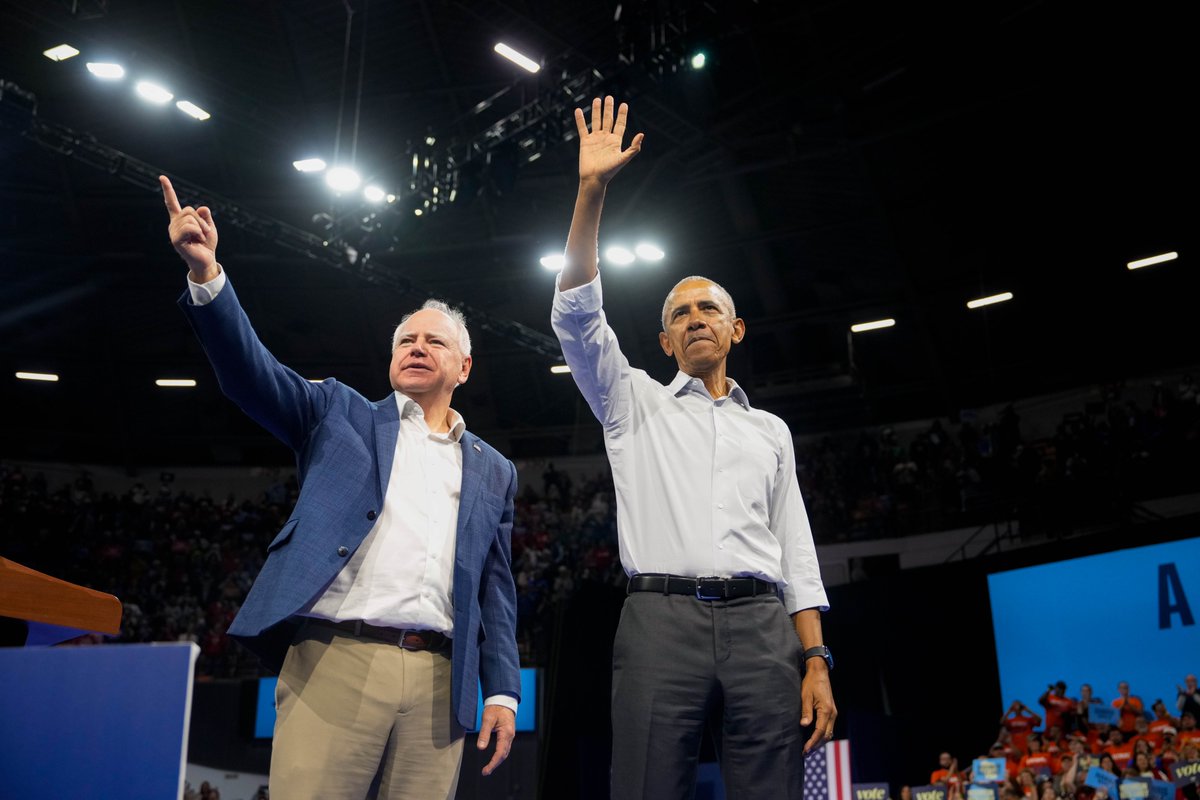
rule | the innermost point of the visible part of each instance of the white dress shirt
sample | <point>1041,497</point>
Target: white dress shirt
<point>704,487</point>
<point>402,575</point>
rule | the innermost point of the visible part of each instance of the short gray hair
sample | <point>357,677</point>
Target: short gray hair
<point>456,316</point>
<point>718,287</point>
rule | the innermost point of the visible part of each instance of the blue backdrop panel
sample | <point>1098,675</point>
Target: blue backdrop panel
<point>91,723</point>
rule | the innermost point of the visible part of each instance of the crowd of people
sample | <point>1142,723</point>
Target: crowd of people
<point>1049,755</point>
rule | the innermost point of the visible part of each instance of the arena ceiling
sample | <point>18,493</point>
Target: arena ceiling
<point>832,163</point>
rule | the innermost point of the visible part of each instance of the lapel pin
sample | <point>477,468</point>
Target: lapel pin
<point>477,448</point>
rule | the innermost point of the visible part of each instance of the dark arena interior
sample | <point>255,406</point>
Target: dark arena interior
<point>956,233</point>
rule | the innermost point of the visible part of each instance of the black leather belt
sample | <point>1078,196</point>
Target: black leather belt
<point>701,588</point>
<point>408,638</point>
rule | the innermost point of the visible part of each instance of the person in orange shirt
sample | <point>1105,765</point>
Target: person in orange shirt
<point>1120,750</point>
<point>1037,759</point>
<point>1058,706</point>
<point>1019,720</point>
<point>947,773</point>
<point>1187,730</point>
<point>1129,705</point>
<point>1162,719</point>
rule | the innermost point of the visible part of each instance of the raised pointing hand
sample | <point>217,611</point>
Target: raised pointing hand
<point>193,234</point>
<point>600,153</point>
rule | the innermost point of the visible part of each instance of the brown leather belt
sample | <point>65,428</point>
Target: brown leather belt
<point>408,638</point>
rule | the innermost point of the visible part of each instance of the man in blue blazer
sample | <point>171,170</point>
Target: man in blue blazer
<point>388,596</point>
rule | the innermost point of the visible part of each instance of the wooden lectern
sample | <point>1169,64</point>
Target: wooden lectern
<point>38,609</point>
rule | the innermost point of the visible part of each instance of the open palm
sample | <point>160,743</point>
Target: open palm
<point>600,153</point>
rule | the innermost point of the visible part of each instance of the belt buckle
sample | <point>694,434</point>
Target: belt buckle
<point>419,644</point>
<point>711,582</point>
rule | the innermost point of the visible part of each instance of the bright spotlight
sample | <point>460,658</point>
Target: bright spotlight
<point>523,61</point>
<point>109,72</point>
<point>192,110</point>
<point>417,212</point>
<point>153,92</point>
<point>374,194</point>
<point>560,369</point>
<point>553,262</point>
<point>1152,260</point>
<point>342,179</point>
<point>178,383</point>
<point>48,377</point>
<point>648,252</point>
<point>310,165</point>
<point>990,300</point>
<point>699,60</point>
<point>391,198</point>
<point>871,326</point>
<point>619,256</point>
<point>60,52</point>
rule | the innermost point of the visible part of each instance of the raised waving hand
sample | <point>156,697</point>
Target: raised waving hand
<point>193,234</point>
<point>600,153</point>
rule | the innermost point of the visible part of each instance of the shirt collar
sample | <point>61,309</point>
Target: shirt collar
<point>684,382</point>
<point>412,409</point>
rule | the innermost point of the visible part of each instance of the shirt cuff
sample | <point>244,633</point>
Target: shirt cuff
<point>585,299</point>
<point>502,700</point>
<point>205,293</point>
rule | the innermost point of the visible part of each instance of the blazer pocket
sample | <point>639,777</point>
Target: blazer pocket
<point>282,537</point>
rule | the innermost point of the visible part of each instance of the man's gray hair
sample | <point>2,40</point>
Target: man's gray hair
<point>456,316</point>
<point>720,290</point>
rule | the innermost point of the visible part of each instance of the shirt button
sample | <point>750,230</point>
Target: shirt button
<point>720,505</point>
<point>371,514</point>
<point>343,551</point>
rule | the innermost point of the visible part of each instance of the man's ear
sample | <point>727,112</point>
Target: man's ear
<point>739,330</point>
<point>665,343</point>
<point>466,370</point>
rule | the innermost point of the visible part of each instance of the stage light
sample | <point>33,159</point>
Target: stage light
<point>429,140</point>
<point>60,52</point>
<point>554,262</point>
<point>699,60</point>
<point>342,179</point>
<point>648,252</point>
<point>153,92</point>
<point>1152,260</point>
<point>315,380</point>
<point>374,194</point>
<point>310,165</point>
<point>560,369</point>
<point>619,256</point>
<point>417,212</point>
<point>871,326</point>
<point>178,383</point>
<point>192,110</point>
<point>48,377</point>
<point>990,300</point>
<point>109,72</point>
<point>523,61</point>
<point>391,198</point>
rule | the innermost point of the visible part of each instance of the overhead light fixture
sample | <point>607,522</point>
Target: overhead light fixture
<point>310,165</point>
<point>560,369</point>
<point>179,383</point>
<point>990,300</point>
<point>342,179</point>
<point>1152,260</point>
<point>192,110</point>
<point>521,60</point>
<point>374,194</point>
<point>619,256</point>
<point>109,72</point>
<point>60,52</point>
<point>553,262</point>
<point>699,60</point>
<point>153,92</point>
<point>417,212</point>
<point>648,252</point>
<point>871,326</point>
<point>391,198</point>
<point>48,377</point>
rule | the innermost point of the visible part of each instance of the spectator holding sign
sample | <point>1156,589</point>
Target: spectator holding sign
<point>1080,721</point>
<point>1130,706</point>
<point>1143,767</point>
<point>947,773</point>
<point>1058,706</point>
<point>1019,721</point>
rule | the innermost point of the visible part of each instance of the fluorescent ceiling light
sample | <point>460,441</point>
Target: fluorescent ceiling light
<point>309,165</point>
<point>186,383</point>
<point>60,52</point>
<point>523,61</point>
<point>48,377</point>
<point>554,262</point>
<point>342,179</point>
<point>193,110</point>
<point>374,194</point>
<point>619,256</point>
<point>870,326</point>
<point>648,252</point>
<point>153,92</point>
<point>1152,260</point>
<point>109,72</point>
<point>990,300</point>
<point>560,369</point>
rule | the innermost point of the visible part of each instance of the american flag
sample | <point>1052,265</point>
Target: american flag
<point>827,772</point>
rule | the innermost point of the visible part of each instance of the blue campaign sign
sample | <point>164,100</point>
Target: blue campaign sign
<point>1103,715</point>
<point>934,792</point>
<point>1150,595</point>
<point>1185,772</point>
<point>1102,779</point>
<point>1162,790</point>
<point>869,791</point>
<point>989,770</point>
<point>980,791</point>
<point>1134,788</point>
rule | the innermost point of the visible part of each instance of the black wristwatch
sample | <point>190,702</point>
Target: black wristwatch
<point>820,651</point>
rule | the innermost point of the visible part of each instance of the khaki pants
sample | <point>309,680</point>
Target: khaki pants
<point>358,718</point>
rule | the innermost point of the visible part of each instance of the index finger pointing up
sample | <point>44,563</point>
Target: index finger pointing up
<point>169,195</point>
